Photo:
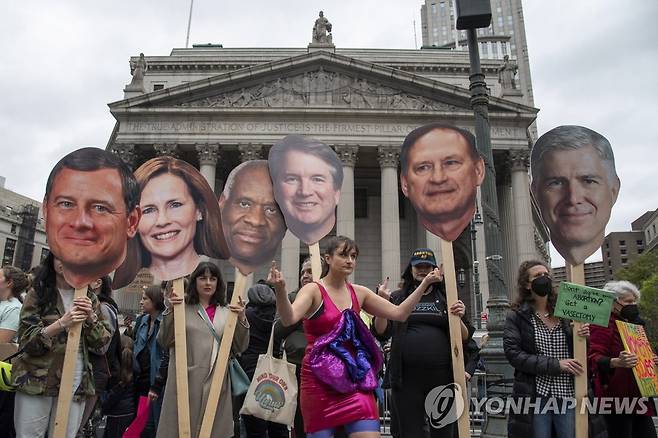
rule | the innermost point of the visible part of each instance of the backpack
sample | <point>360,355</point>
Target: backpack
<point>108,366</point>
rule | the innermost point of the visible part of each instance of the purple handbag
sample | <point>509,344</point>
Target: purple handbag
<point>346,370</point>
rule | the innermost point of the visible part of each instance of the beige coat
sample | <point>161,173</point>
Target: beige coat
<point>201,357</point>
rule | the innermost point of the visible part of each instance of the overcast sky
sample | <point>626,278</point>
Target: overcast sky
<point>593,63</point>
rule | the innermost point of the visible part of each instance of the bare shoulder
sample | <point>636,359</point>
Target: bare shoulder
<point>361,291</point>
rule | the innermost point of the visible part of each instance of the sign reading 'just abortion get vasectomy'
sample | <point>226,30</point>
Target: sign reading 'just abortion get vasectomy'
<point>584,304</point>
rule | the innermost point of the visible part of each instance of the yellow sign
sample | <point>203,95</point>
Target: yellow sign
<point>635,341</point>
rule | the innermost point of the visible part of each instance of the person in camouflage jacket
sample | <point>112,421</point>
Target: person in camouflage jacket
<point>42,337</point>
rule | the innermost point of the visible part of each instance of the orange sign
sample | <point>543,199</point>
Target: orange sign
<point>635,340</point>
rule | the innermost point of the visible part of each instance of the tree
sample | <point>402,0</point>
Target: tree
<point>643,273</point>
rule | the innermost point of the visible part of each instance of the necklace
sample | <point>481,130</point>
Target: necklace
<point>545,315</point>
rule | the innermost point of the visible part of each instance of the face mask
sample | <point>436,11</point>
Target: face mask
<point>542,286</point>
<point>630,312</point>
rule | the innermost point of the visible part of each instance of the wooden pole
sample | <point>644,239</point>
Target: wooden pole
<point>456,345</point>
<point>222,359</point>
<point>68,370</point>
<point>180,347</point>
<point>576,274</point>
<point>316,261</point>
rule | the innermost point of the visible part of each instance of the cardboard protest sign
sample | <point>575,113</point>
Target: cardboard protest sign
<point>180,222</point>
<point>91,210</point>
<point>253,229</point>
<point>440,171</point>
<point>635,341</point>
<point>307,176</point>
<point>583,304</point>
<point>575,184</point>
<point>252,222</point>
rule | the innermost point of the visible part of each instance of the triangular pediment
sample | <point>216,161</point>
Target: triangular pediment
<point>318,80</point>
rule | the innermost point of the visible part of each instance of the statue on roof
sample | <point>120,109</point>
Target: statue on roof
<point>322,30</point>
<point>137,70</point>
<point>506,73</point>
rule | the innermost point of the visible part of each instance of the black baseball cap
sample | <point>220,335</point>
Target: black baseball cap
<point>422,255</point>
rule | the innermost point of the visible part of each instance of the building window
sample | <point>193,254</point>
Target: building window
<point>609,262</point>
<point>623,251</point>
<point>157,87</point>
<point>639,242</point>
<point>640,251</point>
<point>13,228</point>
<point>44,254</point>
<point>10,248</point>
<point>624,261</point>
<point>607,254</point>
<point>360,203</point>
<point>622,243</point>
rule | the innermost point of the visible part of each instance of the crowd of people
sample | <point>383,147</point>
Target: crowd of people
<point>398,340</point>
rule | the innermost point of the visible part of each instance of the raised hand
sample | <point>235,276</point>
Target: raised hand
<point>434,276</point>
<point>383,290</point>
<point>275,278</point>
<point>239,309</point>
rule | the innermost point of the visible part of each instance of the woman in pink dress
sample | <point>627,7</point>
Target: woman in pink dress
<point>342,359</point>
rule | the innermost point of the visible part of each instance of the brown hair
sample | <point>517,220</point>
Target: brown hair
<point>18,279</point>
<point>191,292</point>
<point>209,236</point>
<point>523,294</point>
<point>156,295</point>
<point>126,371</point>
<point>343,244</point>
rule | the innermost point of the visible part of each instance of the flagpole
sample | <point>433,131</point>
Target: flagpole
<point>189,23</point>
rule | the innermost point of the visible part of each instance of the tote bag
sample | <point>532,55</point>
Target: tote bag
<point>272,394</point>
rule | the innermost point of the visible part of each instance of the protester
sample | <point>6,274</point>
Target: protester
<point>260,311</point>
<point>330,309</point>
<point>119,404</point>
<point>294,343</point>
<point>13,282</point>
<point>206,312</point>
<point>147,354</point>
<point>421,356</point>
<point>106,361</point>
<point>612,366</point>
<point>540,348</point>
<point>48,312</point>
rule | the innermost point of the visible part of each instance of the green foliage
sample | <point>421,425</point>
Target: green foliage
<point>643,272</point>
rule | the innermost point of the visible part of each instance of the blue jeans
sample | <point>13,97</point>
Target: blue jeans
<point>557,416</point>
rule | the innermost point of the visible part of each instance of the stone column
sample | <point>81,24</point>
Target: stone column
<point>170,149</point>
<point>290,260</point>
<point>388,160</point>
<point>250,152</point>
<point>345,216</point>
<point>126,152</point>
<point>208,156</point>
<point>524,225</point>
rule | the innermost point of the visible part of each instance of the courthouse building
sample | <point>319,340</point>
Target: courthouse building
<point>216,107</point>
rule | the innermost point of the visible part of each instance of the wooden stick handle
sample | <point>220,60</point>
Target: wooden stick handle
<point>316,261</point>
<point>456,345</point>
<point>221,361</point>
<point>576,274</point>
<point>180,347</point>
<point>68,370</point>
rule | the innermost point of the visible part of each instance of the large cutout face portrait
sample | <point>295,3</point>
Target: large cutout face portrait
<point>91,210</point>
<point>440,172</point>
<point>252,222</point>
<point>307,176</point>
<point>575,184</point>
<point>180,222</point>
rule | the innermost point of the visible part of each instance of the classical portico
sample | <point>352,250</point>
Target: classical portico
<point>219,107</point>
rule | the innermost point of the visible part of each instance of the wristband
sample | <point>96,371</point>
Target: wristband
<point>59,321</point>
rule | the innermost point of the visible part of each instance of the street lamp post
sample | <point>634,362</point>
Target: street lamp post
<point>473,14</point>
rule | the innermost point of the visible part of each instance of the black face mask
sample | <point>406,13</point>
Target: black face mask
<point>542,286</point>
<point>630,312</point>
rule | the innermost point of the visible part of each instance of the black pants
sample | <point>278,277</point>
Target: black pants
<point>409,400</point>
<point>628,425</point>
<point>257,428</point>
